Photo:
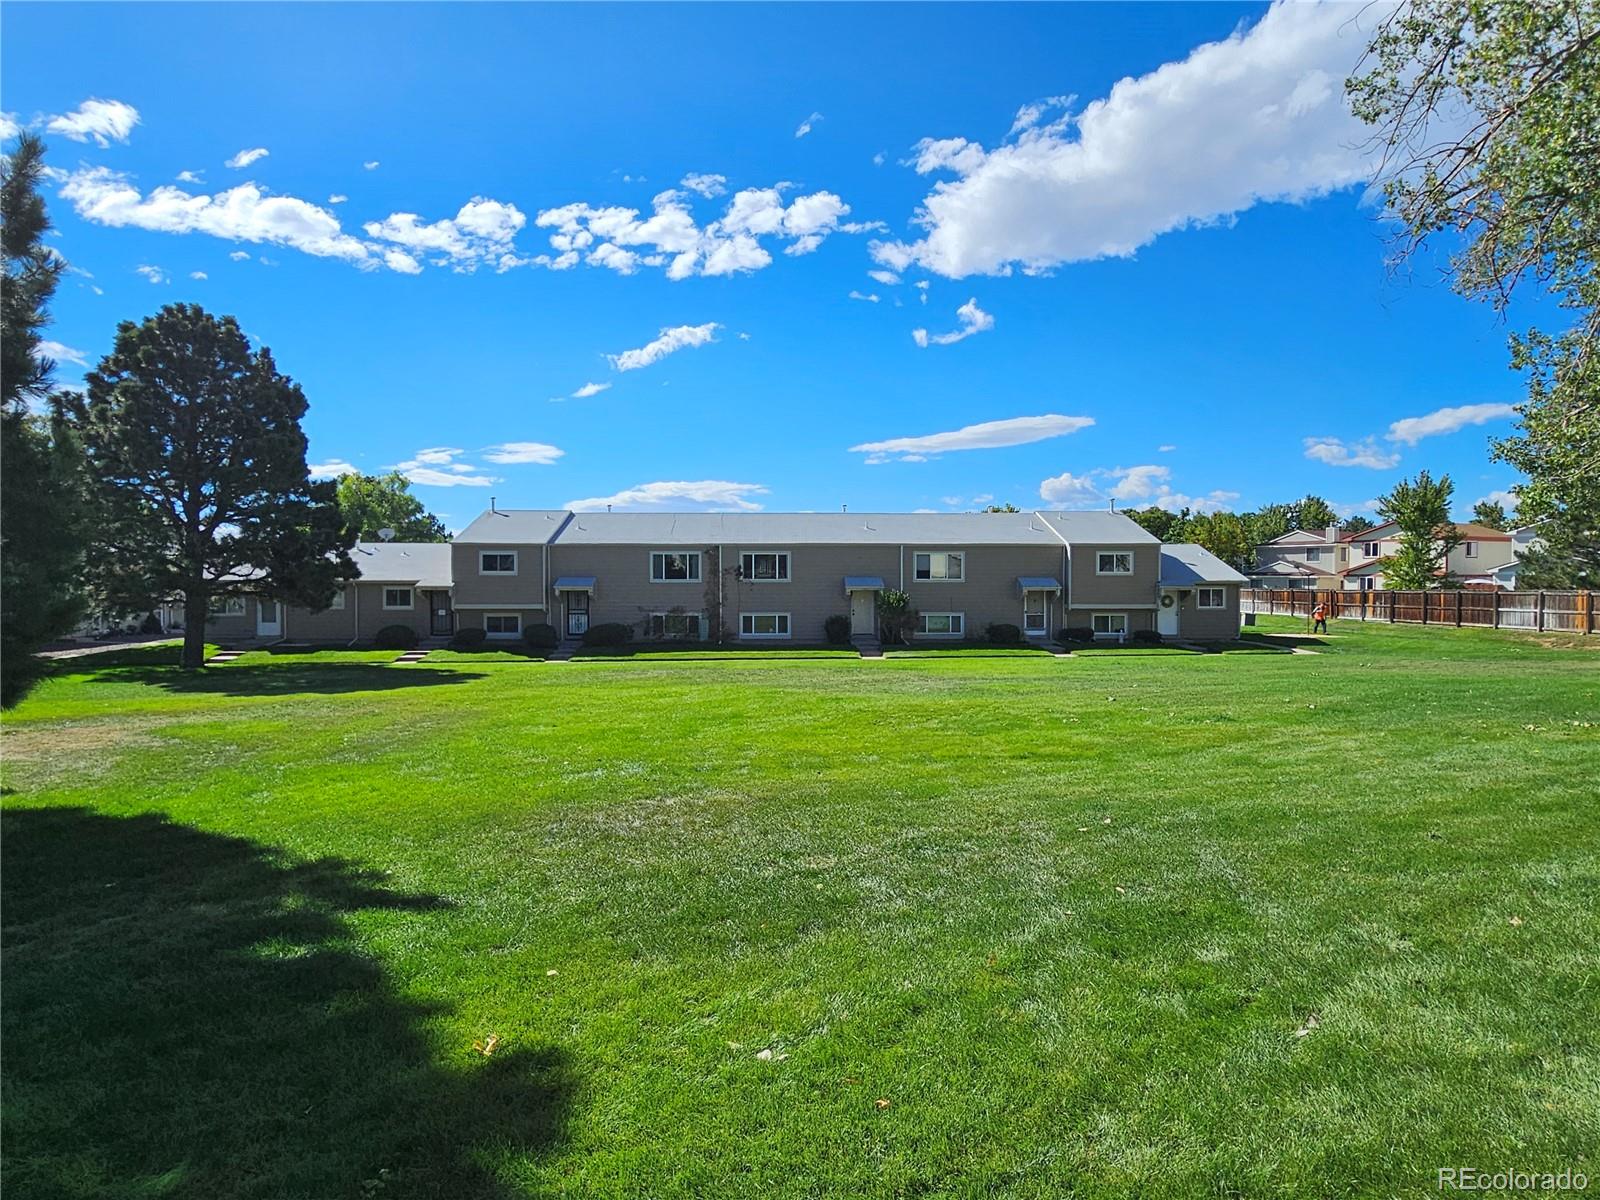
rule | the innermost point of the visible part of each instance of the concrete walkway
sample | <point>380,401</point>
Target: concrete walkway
<point>102,647</point>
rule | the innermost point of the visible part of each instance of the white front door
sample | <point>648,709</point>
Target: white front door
<point>269,618</point>
<point>1167,615</point>
<point>863,614</point>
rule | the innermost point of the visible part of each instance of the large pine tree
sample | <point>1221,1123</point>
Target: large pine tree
<point>41,540</point>
<point>196,445</point>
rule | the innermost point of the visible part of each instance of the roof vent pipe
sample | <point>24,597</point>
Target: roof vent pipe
<point>492,508</point>
<point>608,508</point>
<point>1113,504</point>
<point>844,508</point>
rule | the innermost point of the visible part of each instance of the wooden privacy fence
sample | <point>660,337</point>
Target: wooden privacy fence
<point>1569,612</point>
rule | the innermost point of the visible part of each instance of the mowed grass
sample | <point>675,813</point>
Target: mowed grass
<point>1126,923</point>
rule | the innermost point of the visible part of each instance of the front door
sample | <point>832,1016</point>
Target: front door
<point>441,619</point>
<point>1167,615</point>
<point>269,618</point>
<point>863,614</point>
<point>577,613</point>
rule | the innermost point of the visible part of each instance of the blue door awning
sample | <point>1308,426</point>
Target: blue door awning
<point>575,583</point>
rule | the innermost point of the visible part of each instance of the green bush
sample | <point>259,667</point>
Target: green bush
<point>1003,634</point>
<point>837,630</point>
<point>1075,633</point>
<point>541,636</point>
<point>468,639</point>
<point>150,624</point>
<point>1145,637</point>
<point>896,617</point>
<point>610,634</point>
<point>395,637</point>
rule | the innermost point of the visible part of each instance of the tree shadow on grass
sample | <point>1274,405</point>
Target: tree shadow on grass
<point>185,1016</point>
<point>268,679</point>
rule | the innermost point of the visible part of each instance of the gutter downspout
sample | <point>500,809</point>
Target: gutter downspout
<point>355,622</point>
<point>722,580</point>
<point>902,568</point>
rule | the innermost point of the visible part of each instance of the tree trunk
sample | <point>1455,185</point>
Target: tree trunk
<point>195,609</point>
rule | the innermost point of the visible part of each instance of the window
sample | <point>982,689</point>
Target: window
<point>226,606</point>
<point>1370,549</point>
<point>939,566</point>
<point>1211,598</point>
<point>764,625</point>
<point>940,624</point>
<point>1109,624</point>
<point>497,562</point>
<point>397,597</point>
<point>1114,562</point>
<point>338,600</point>
<point>502,624</point>
<point>1034,607</point>
<point>1313,554</point>
<point>765,567</point>
<point>675,626</point>
<point>1471,549</point>
<point>674,566</point>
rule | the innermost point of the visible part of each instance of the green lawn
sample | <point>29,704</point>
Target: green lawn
<point>1135,923</point>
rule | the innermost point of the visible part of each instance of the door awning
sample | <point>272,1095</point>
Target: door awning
<point>575,583</point>
<point>1038,583</point>
<point>863,583</point>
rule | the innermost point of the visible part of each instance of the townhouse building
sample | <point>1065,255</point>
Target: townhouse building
<point>769,577</point>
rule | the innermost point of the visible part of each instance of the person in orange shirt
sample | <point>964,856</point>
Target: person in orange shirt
<point>1319,618</point>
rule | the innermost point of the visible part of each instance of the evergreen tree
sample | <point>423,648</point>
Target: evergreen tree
<point>196,446</point>
<point>41,525</point>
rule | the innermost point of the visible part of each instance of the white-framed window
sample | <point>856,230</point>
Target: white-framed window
<point>1313,554</point>
<point>764,625</point>
<point>1370,549</point>
<point>497,562</point>
<point>764,566</point>
<point>226,606</point>
<point>397,597</point>
<point>675,626</point>
<point>675,566</point>
<point>1113,562</point>
<point>338,600</point>
<point>1109,624</point>
<point>941,624</point>
<point>1211,598</point>
<point>502,624</point>
<point>939,566</point>
<point>1470,548</point>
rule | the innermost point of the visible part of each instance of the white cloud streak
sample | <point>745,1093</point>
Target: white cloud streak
<point>670,341</point>
<point>437,467</point>
<point>483,231</point>
<point>1412,430</point>
<point>1257,117</point>
<point>540,453</point>
<point>708,186</point>
<point>332,469</point>
<point>711,495</point>
<point>1141,486</point>
<point>244,158</point>
<point>987,435</point>
<point>61,354</point>
<point>972,318</point>
<point>808,125</point>
<point>1336,453</point>
<point>589,389</point>
<point>99,121</point>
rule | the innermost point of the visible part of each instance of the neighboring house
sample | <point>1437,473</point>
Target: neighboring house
<point>772,576</point>
<point>1199,596</point>
<point>1328,559</point>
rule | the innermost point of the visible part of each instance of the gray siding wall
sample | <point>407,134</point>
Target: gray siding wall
<point>526,587</point>
<point>472,618</point>
<point>362,616</point>
<point>1103,593</point>
<point>989,593</point>
<point>1210,624</point>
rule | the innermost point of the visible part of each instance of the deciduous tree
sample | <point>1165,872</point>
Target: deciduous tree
<point>196,445</point>
<point>1421,510</point>
<point>369,503</point>
<point>1491,513</point>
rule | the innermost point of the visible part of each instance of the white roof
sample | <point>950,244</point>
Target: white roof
<point>794,529</point>
<point>1100,527</point>
<point>502,526</point>
<point>424,563</point>
<point>1186,563</point>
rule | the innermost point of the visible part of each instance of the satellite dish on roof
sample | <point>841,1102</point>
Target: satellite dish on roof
<point>386,534</point>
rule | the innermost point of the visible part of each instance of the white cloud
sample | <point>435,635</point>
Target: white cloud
<point>870,297</point>
<point>9,126</point>
<point>987,435</point>
<point>370,165</point>
<point>1412,430</point>
<point>244,158</point>
<point>707,185</point>
<point>1350,510</point>
<point>1069,490</point>
<point>1139,483</point>
<point>239,255</point>
<point>482,231</point>
<point>1166,449</point>
<point>807,125</point>
<point>337,198</point>
<point>589,389</point>
<point>191,177</point>
<point>100,121</point>
<point>1029,114</point>
<point>153,274</point>
<point>332,469</point>
<point>887,278</point>
<point>1506,499</point>
<point>880,158</point>
<point>1336,453</point>
<point>1257,117</point>
<point>669,342</point>
<point>437,467</point>
<point>243,214</point>
<point>523,452</point>
<point>198,275</point>
<point>671,238</point>
<point>973,320</point>
<point>59,352</point>
<point>715,495</point>
<point>1140,486</point>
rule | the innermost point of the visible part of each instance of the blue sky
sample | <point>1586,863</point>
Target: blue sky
<point>1132,238</point>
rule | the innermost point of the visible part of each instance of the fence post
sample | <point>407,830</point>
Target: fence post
<point>1458,609</point>
<point>1495,622</point>
<point>1424,596</point>
<point>1538,622</point>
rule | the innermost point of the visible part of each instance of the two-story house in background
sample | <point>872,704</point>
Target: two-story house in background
<point>1326,559</point>
<point>769,577</point>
